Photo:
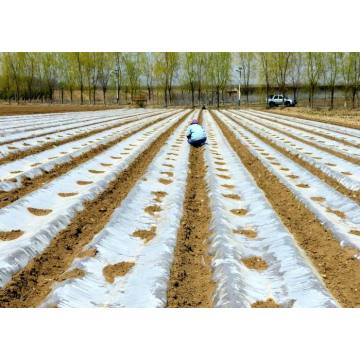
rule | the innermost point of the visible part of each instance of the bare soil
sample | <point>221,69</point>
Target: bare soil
<point>255,263</point>
<point>120,269</point>
<point>269,303</point>
<point>191,283</point>
<point>30,286</point>
<point>338,268</point>
<point>10,235</point>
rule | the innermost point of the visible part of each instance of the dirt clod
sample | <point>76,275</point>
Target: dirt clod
<point>110,272</point>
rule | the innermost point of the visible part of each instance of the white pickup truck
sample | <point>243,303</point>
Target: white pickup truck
<point>276,100</point>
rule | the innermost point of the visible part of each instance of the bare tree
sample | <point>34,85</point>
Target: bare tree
<point>314,68</point>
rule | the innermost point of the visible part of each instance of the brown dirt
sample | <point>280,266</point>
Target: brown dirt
<point>255,263</point>
<point>39,212</point>
<point>168,173</point>
<point>83,182</point>
<point>67,194</point>
<point>191,283</point>
<point>224,176</point>
<point>354,195</point>
<point>88,253</point>
<point>239,212</point>
<point>227,186</point>
<point>10,235</point>
<point>30,185</point>
<point>94,171</point>
<point>338,213</point>
<point>318,198</point>
<point>232,196</point>
<point>250,233</point>
<point>159,195</point>
<point>146,235</point>
<point>269,303</point>
<point>110,272</point>
<point>152,209</point>
<point>165,181</point>
<point>31,285</point>
<point>336,265</point>
<point>35,150</point>
<point>72,274</point>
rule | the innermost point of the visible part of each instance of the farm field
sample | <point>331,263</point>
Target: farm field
<point>113,208</point>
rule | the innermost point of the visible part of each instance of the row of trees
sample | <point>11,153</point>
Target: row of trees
<point>206,77</point>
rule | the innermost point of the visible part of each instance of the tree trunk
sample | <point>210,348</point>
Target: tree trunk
<point>332,97</point>
<point>353,95</point>
<point>62,95</point>
<point>104,95</point>
<point>218,98</point>
<point>81,94</point>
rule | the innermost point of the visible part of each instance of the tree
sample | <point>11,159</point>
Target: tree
<point>148,69</point>
<point>105,67</point>
<point>219,72</point>
<point>265,70</point>
<point>331,72</point>
<point>281,67</point>
<point>190,70</point>
<point>247,63</point>
<point>295,72</point>
<point>166,66</point>
<point>133,72</point>
<point>314,68</point>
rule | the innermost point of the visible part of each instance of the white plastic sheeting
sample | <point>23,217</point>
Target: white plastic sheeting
<point>289,279</point>
<point>340,132</point>
<point>11,174</point>
<point>345,172</point>
<point>282,167</point>
<point>80,123</point>
<point>39,230</point>
<point>145,285</point>
<point>49,123</point>
<point>319,140</point>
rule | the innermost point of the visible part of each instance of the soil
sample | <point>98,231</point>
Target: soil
<point>145,235</point>
<point>88,253</point>
<point>30,286</point>
<point>338,268</point>
<point>239,212</point>
<point>191,283</point>
<point>159,195</point>
<point>72,274</point>
<point>269,303</point>
<point>354,195</point>
<point>255,263</point>
<point>110,272</point>
<point>10,235</point>
<point>250,233</point>
<point>232,196</point>
<point>67,194</point>
<point>39,212</point>
<point>152,209</point>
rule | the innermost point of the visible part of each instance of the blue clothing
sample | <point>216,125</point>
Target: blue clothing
<point>195,132</point>
<point>197,143</point>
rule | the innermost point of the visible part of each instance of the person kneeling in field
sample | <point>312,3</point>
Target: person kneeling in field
<point>196,134</point>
